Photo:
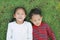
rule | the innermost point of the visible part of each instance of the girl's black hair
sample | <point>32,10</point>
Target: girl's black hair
<point>19,8</point>
<point>35,11</point>
<point>13,19</point>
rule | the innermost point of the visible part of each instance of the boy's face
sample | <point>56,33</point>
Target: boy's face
<point>36,19</point>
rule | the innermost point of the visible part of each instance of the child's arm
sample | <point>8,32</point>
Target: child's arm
<point>50,33</point>
<point>9,35</point>
<point>30,37</point>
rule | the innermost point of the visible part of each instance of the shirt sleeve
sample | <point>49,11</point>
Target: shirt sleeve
<point>30,37</point>
<point>50,33</point>
<point>9,33</point>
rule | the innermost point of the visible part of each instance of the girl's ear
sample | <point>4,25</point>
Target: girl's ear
<point>25,15</point>
<point>14,16</point>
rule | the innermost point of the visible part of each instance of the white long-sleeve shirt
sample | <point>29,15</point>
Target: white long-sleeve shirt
<point>19,31</point>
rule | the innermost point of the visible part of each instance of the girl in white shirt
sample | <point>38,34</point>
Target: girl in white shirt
<point>19,29</point>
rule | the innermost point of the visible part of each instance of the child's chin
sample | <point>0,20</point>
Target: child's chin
<point>37,25</point>
<point>20,20</point>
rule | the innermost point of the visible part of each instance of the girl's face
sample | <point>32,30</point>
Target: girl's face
<point>20,15</point>
<point>36,19</point>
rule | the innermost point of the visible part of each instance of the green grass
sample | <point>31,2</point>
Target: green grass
<point>50,11</point>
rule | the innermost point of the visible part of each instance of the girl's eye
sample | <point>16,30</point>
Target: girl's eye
<point>18,13</point>
<point>22,14</point>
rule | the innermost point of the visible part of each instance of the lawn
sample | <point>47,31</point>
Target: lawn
<point>50,11</point>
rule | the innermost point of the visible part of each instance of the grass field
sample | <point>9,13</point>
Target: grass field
<point>50,11</point>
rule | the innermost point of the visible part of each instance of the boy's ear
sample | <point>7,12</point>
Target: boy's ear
<point>41,16</point>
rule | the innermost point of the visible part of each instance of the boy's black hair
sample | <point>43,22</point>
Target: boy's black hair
<point>13,19</point>
<point>35,11</point>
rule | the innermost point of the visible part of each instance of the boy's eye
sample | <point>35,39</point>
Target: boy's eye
<point>34,20</point>
<point>39,19</point>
